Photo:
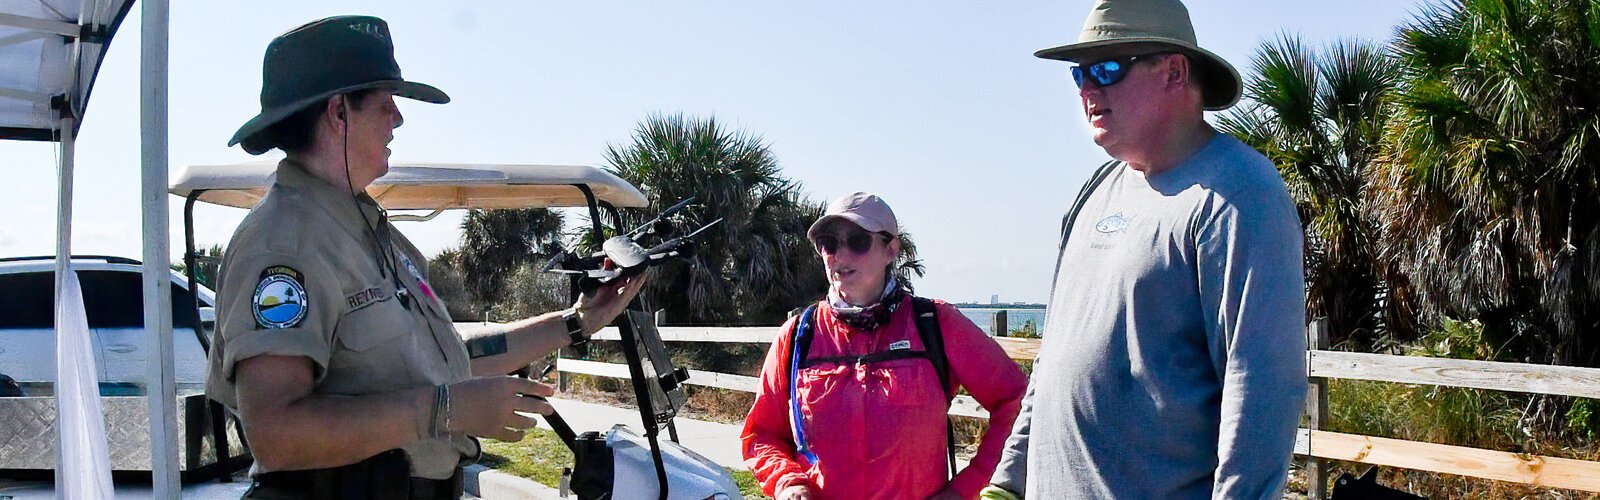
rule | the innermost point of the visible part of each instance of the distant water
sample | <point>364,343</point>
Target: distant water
<point>1015,318</point>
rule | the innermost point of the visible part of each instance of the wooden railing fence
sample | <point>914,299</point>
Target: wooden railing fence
<point>1313,443</point>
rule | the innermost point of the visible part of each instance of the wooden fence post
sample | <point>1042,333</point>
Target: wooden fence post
<point>1317,410</point>
<point>999,324</point>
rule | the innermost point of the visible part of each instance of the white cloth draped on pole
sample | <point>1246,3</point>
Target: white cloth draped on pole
<point>83,467</point>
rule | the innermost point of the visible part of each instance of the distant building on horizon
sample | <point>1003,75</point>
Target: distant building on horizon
<point>994,299</point>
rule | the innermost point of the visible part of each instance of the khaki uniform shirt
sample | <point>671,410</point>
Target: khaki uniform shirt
<point>306,275</point>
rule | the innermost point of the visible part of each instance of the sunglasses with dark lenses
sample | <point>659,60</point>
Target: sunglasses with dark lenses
<point>1108,72</point>
<point>857,241</point>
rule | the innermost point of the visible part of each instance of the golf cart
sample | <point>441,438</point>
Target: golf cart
<point>616,464</point>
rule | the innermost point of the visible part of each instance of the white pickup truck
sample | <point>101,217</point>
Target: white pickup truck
<point>113,300</point>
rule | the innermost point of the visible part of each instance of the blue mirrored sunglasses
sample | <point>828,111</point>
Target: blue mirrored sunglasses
<point>1110,71</point>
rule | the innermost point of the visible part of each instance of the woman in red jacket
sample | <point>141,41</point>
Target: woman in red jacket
<point>865,413</point>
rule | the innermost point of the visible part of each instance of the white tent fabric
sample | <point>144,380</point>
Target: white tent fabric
<point>86,473</point>
<point>42,67</point>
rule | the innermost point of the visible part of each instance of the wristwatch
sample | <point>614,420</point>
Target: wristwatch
<point>574,326</point>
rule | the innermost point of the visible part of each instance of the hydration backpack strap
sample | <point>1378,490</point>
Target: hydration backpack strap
<point>799,343</point>
<point>927,316</point>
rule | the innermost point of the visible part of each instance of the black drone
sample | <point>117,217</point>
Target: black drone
<point>626,255</point>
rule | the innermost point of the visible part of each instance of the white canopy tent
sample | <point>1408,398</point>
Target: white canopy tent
<point>50,53</point>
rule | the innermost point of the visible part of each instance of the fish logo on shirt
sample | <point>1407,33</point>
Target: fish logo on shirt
<point>1116,223</point>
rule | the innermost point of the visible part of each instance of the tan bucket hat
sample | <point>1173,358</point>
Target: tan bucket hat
<point>1158,24</point>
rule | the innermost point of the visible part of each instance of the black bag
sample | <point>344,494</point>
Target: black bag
<point>1366,487</point>
<point>592,468</point>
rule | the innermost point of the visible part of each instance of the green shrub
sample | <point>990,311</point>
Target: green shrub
<point>1028,330</point>
<point>1583,419</point>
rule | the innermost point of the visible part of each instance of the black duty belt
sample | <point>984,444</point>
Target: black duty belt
<point>385,476</point>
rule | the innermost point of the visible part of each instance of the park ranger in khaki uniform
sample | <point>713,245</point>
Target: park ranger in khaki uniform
<point>339,359</point>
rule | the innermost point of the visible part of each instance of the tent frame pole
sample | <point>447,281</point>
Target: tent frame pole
<point>160,393</point>
<point>63,258</point>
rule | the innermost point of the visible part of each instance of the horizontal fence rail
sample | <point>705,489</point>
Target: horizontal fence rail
<point>963,406</point>
<point>1491,375</point>
<point>1459,460</point>
<point>1315,443</point>
<point>1017,349</point>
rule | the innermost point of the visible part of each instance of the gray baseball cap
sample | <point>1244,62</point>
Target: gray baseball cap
<point>862,209</point>
<point>1151,25</point>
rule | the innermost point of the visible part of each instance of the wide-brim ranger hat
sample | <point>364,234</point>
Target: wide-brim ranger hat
<point>1158,24</point>
<point>862,209</point>
<point>322,59</point>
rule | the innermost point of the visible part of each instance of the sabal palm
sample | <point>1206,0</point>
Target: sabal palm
<point>754,266</point>
<point>495,243</point>
<point>1319,117</point>
<point>1488,197</point>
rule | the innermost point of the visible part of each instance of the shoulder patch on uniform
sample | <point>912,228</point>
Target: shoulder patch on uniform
<point>280,299</point>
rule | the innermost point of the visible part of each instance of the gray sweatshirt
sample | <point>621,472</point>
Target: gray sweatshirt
<point>1172,365</point>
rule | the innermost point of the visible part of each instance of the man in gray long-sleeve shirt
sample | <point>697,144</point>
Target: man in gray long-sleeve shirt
<point>1173,356</point>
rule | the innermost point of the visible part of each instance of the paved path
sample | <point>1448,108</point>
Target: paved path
<point>718,442</point>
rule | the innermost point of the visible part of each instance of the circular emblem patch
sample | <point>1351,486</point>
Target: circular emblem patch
<point>280,299</point>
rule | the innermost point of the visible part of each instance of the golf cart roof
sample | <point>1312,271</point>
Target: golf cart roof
<point>429,186</point>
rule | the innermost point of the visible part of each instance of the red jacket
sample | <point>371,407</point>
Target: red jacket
<point>879,430</point>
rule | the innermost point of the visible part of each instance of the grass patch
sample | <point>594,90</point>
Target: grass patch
<point>541,456</point>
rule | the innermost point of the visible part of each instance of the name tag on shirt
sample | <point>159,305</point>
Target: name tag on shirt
<point>900,345</point>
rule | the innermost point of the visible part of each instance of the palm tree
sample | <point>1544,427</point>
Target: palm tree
<point>1319,117</point>
<point>1487,197</point>
<point>209,261</point>
<point>496,243</point>
<point>754,266</point>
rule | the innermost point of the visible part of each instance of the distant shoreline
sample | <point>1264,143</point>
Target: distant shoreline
<point>998,306</point>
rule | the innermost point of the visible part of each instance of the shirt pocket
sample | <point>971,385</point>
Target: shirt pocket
<point>823,390</point>
<point>907,383</point>
<point>375,346</point>
<point>372,326</point>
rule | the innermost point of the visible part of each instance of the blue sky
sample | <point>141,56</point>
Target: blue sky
<point>937,106</point>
